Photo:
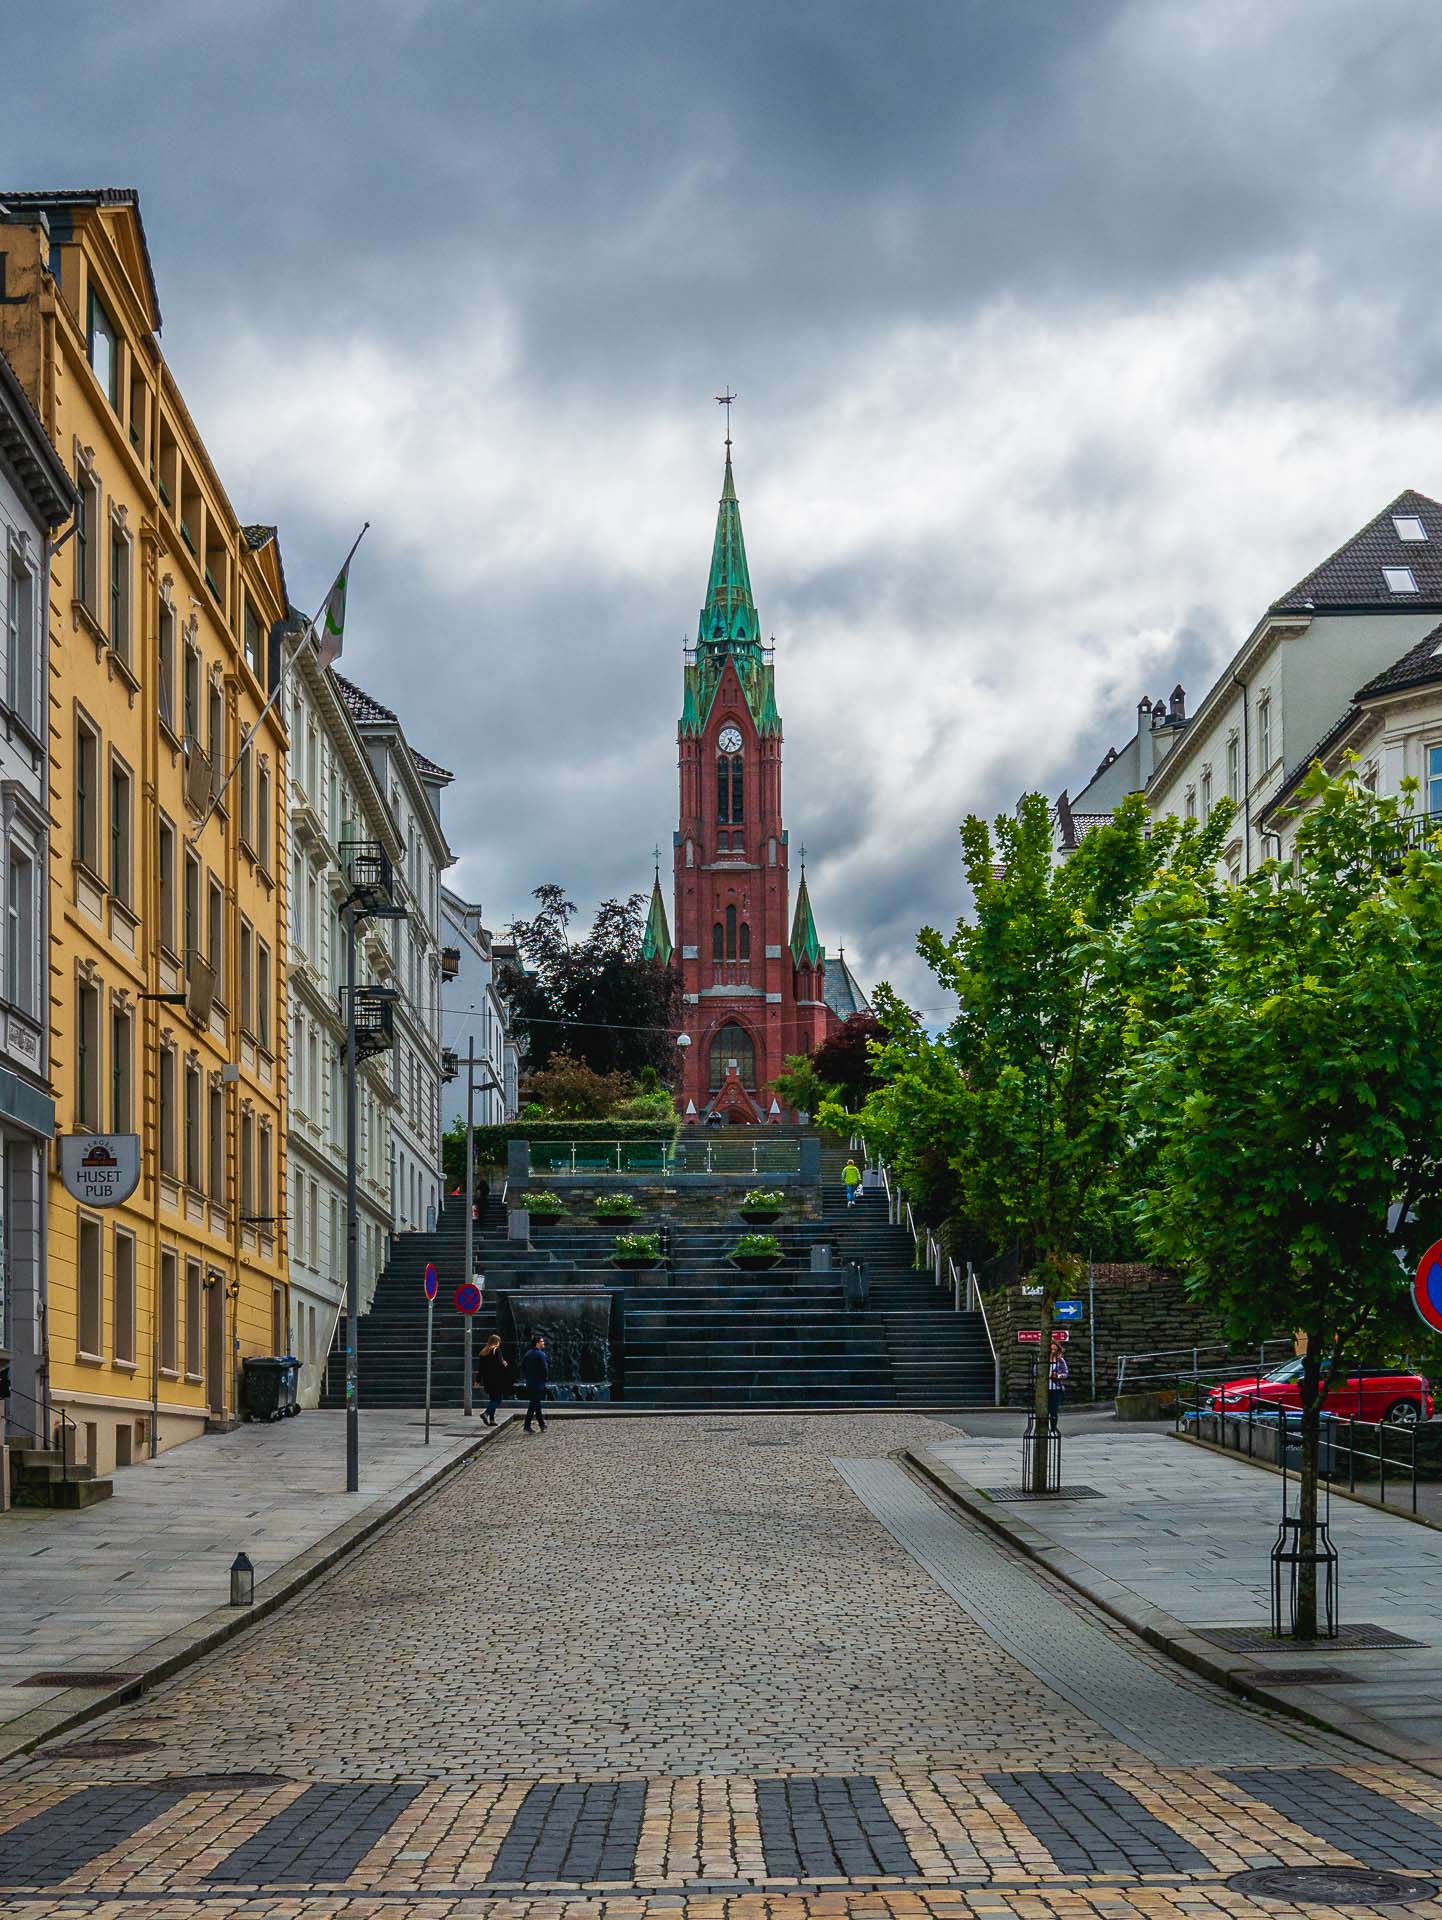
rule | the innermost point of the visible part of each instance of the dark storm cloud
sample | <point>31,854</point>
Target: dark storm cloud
<point>1067,336</point>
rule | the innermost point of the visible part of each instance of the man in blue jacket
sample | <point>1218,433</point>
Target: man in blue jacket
<point>535,1370</point>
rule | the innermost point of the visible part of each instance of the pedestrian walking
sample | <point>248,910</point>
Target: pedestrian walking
<point>536,1371</point>
<point>493,1372</point>
<point>1057,1375</point>
<point>851,1180</point>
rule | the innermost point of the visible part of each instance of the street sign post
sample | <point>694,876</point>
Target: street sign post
<point>431,1283</point>
<point>1073,1310</point>
<point>1427,1287</point>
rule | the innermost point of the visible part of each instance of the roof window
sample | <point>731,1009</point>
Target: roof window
<point>1399,579</point>
<point>1408,526</point>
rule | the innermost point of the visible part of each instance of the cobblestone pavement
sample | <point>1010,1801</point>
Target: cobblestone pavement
<point>738,1669</point>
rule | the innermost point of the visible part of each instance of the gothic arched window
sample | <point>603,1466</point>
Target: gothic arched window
<point>738,809</point>
<point>730,788</point>
<point>745,941</point>
<point>731,933</point>
<point>723,788</point>
<point>716,938</point>
<point>732,1043</point>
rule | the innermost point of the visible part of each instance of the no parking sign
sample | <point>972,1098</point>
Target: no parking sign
<point>468,1297</point>
<point>432,1282</point>
<point>1427,1287</point>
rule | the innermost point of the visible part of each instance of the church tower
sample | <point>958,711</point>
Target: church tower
<point>752,979</point>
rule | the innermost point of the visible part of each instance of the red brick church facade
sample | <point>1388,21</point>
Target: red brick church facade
<point>756,983</point>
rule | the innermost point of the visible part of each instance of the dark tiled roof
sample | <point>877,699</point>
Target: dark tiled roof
<point>840,989</point>
<point>362,707</point>
<point>1352,576</point>
<point>258,536</point>
<point>33,201</point>
<point>1417,667</point>
<point>429,769</point>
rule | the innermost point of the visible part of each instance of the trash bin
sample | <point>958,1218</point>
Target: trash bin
<point>263,1380</point>
<point>290,1405</point>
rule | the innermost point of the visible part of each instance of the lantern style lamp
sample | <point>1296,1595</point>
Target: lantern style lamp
<point>242,1582</point>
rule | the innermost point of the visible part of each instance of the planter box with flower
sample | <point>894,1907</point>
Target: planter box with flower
<point>756,1252</point>
<point>637,1250</point>
<point>616,1206</point>
<point>762,1205</point>
<point>542,1206</point>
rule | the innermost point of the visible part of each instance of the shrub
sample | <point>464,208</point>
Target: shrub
<point>616,1206</point>
<point>543,1206</point>
<point>756,1246</point>
<point>638,1249</point>
<point>760,1201</point>
<point>656,1107</point>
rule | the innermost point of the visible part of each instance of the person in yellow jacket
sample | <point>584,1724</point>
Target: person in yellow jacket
<point>851,1180</point>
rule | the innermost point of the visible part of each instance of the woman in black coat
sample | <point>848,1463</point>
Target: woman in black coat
<point>493,1371</point>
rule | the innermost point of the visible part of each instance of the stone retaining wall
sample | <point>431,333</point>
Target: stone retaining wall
<point>1139,1309</point>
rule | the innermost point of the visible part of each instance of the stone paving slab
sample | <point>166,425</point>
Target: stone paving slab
<point>1180,1543</point>
<point>143,1580</point>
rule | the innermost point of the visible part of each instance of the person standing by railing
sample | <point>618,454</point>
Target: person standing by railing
<point>1057,1375</point>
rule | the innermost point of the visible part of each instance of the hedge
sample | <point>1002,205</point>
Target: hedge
<point>490,1142</point>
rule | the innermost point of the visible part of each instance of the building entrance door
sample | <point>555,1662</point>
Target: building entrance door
<point>215,1348</point>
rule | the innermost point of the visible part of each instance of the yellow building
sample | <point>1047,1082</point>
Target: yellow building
<point>162,637</point>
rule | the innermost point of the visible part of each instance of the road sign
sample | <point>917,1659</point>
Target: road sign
<point>1070,1310</point>
<point>468,1298</point>
<point>1427,1287</point>
<point>431,1282</point>
<point>1031,1336</point>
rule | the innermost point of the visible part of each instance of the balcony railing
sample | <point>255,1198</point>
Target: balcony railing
<point>369,878</point>
<point>731,973</point>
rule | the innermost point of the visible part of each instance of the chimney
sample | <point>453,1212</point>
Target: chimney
<point>1146,758</point>
<point>1179,702</point>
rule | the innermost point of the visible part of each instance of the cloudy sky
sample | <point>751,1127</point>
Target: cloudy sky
<point>1066,335</point>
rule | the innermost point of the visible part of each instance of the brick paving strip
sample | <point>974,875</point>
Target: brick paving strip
<point>1181,1545</point>
<point>141,1582</point>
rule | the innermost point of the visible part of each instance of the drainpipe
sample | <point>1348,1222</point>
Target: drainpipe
<point>1246,779</point>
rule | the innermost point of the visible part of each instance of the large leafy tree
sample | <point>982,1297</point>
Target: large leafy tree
<point>1286,1081</point>
<point>845,1060</point>
<point>596,999</point>
<point>1021,1094</point>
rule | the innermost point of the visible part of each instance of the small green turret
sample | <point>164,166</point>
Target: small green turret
<point>656,945</point>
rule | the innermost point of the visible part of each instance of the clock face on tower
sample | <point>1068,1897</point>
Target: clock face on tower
<point>729,740</point>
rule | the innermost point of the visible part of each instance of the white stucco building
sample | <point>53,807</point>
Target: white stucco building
<point>1354,618</point>
<point>36,498</point>
<point>333,798</point>
<point>474,1010</point>
<point>412,786</point>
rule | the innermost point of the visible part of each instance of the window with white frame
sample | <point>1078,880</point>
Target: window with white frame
<point>1434,782</point>
<point>1206,793</point>
<point>20,941</point>
<point>21,644</point>
<point>1234,769</point>
<point>1264,730</point>
<point>102,349</point>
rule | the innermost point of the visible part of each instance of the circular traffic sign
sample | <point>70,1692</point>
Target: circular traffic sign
<point>468,1298</point>
<point>1427,1287</point>
<point>431,1282</point>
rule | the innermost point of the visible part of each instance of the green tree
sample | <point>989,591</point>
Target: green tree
<point>1022,1092</point>
<point>567,1089</point>
<point>1287,1074</point>
<point>846,1060</point>
<point>799,1085</point>
<point>596,999</point>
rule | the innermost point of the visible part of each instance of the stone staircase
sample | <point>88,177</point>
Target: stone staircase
<point>40,1477</point>
<point>697,1332</point>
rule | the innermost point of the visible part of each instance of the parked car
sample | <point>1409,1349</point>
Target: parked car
<point>1371,1393</point>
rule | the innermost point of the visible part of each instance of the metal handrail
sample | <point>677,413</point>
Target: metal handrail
<point>1127,1362</point>
<point>56,1413</point>
<point>1271,1413</point>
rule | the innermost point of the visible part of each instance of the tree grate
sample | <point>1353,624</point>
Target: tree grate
<point>1331,1886</point>
<point>76,1677</point>
<point>1263,1640</point>
<point>1052,1493</point>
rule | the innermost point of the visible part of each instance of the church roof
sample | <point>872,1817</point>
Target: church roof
<point>842,991</point>
<point>657,942</point>
<point>805,945</point>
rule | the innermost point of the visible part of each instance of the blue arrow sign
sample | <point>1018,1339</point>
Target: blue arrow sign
<point>1070,1310</point>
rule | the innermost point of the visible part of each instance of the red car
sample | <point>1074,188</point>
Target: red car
<point>1371,1393</point>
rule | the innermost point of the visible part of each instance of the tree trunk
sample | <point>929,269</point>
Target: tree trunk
<point>1304,1626</point>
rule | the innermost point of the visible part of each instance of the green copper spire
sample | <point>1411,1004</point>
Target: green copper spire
<point>805,946</point>
<point>728,618</point>
<point>729,628</point>
<point>657,943</point>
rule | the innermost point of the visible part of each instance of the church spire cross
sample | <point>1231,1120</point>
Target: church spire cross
<point>727,400</point>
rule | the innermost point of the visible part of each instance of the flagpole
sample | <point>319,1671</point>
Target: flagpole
<point>285,666</point>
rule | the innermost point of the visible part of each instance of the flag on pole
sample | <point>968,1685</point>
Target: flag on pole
<point>328,627</point>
